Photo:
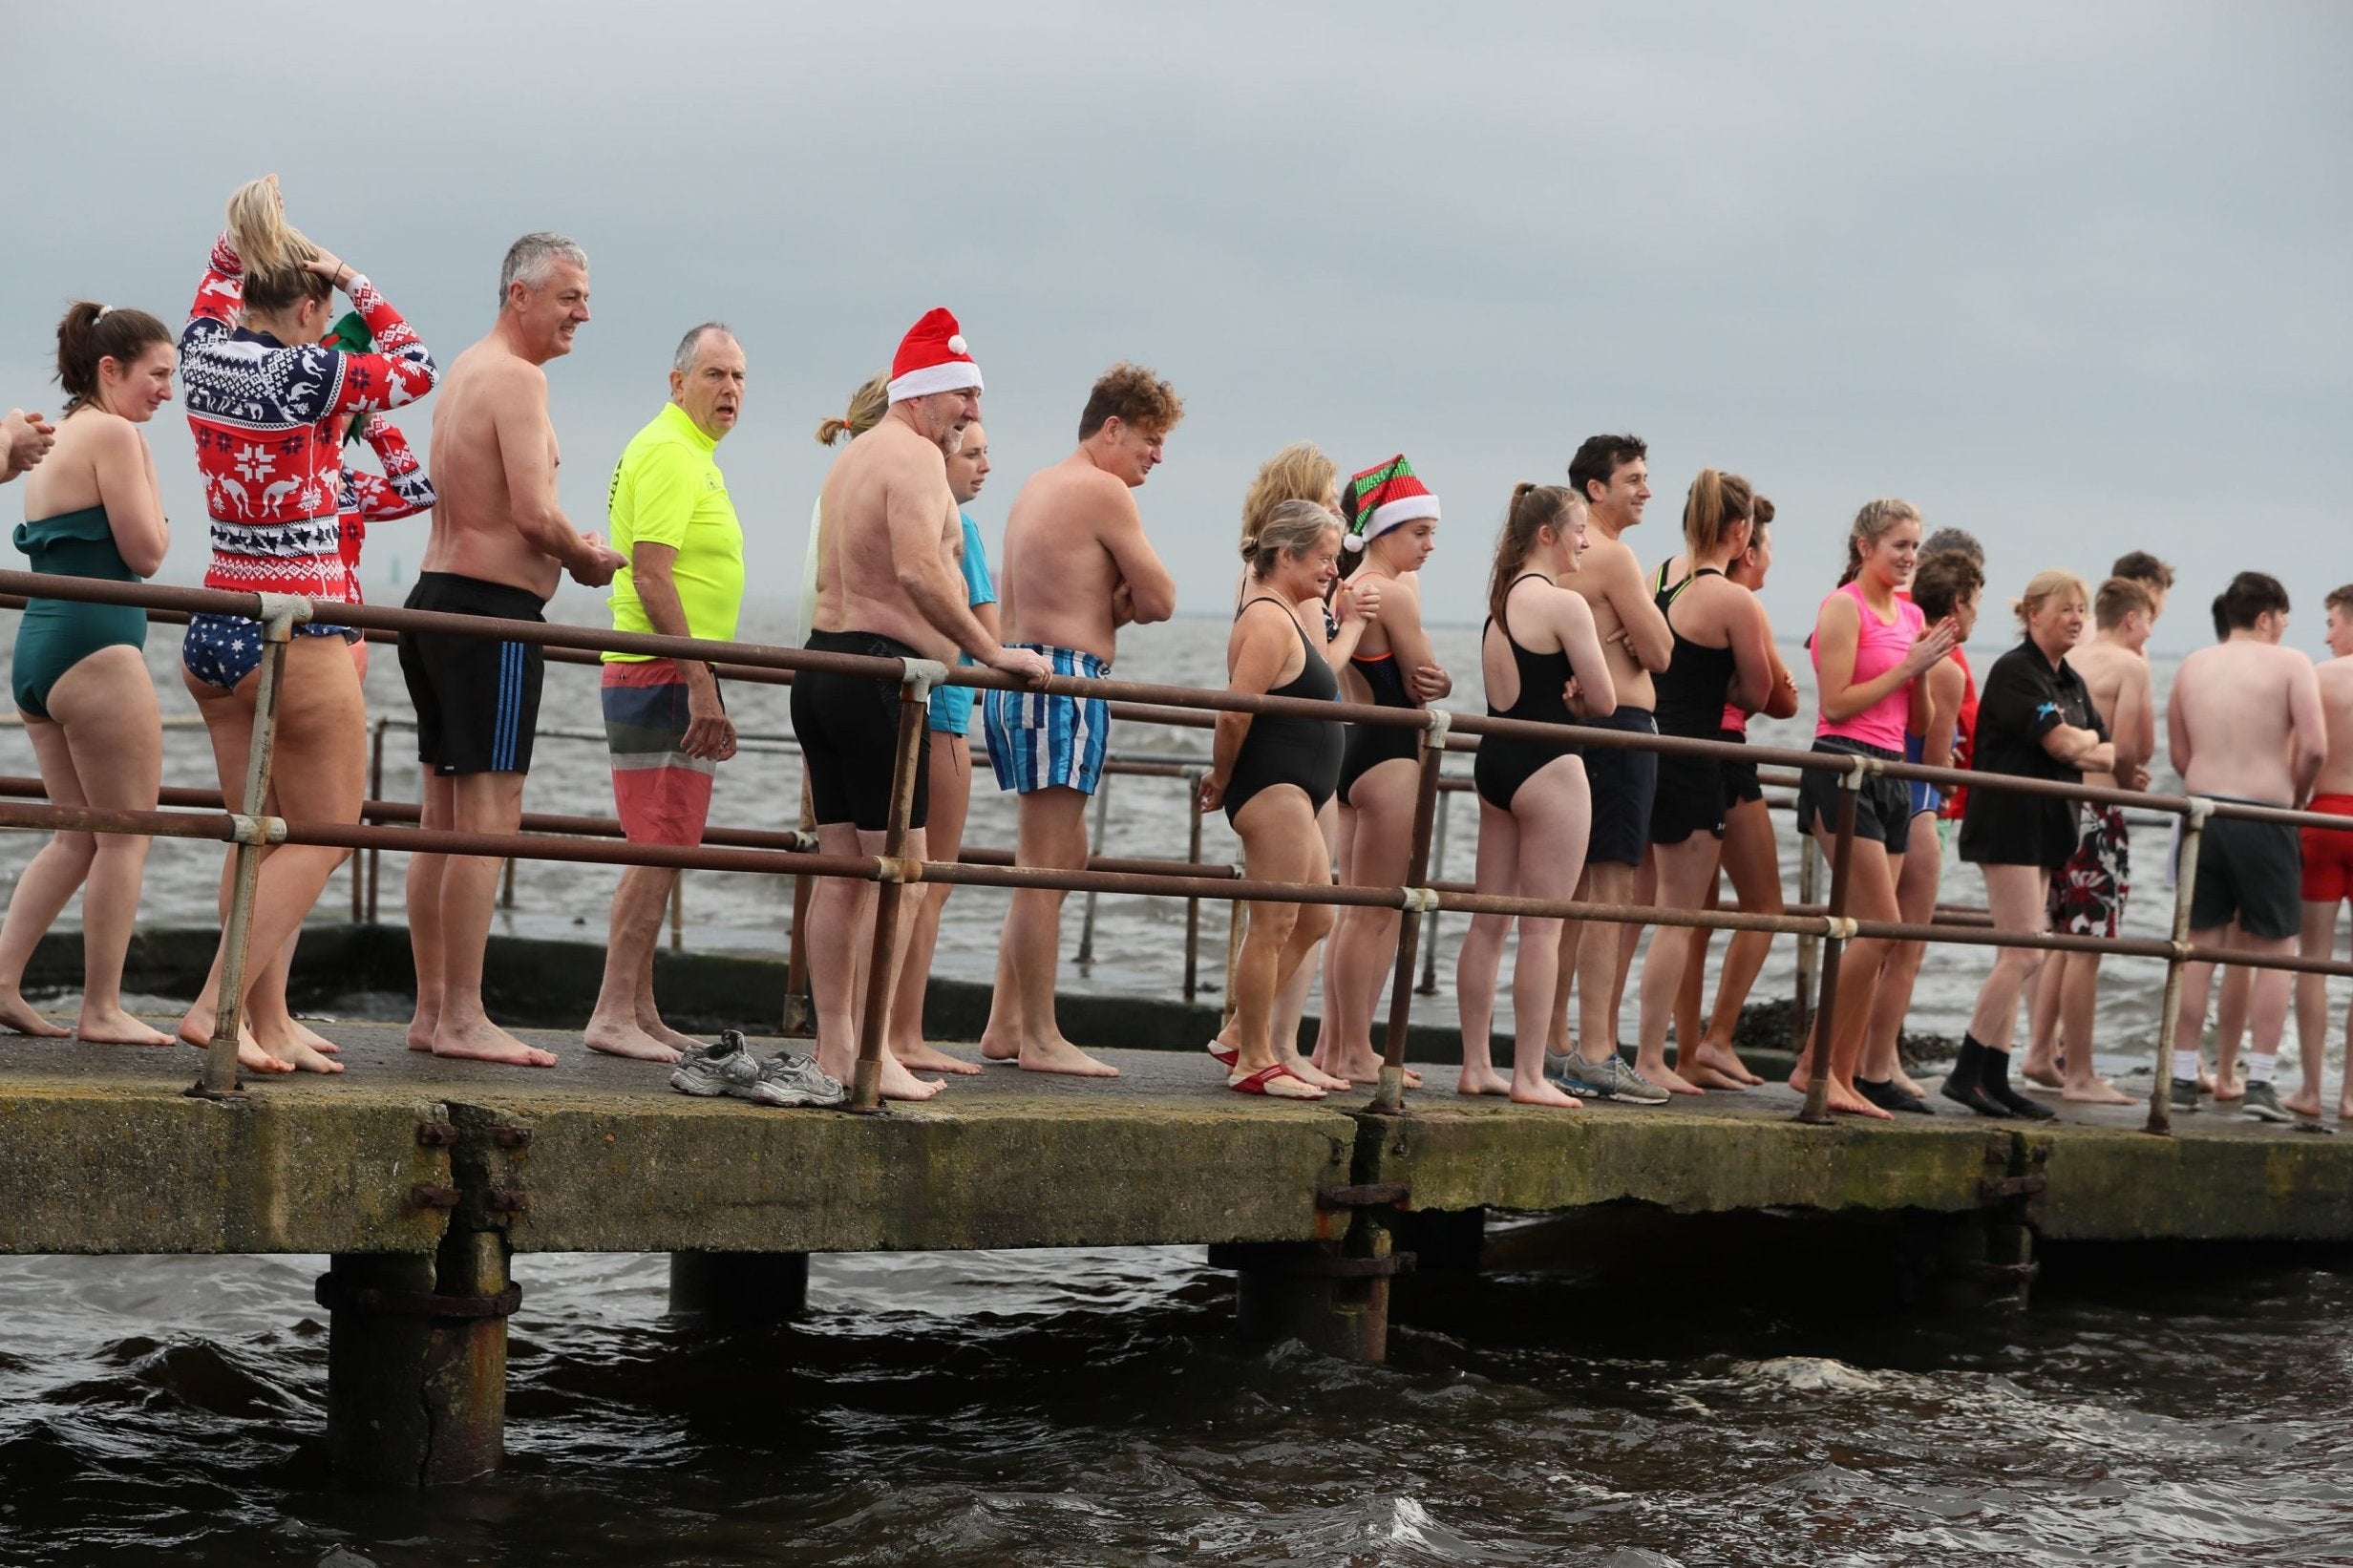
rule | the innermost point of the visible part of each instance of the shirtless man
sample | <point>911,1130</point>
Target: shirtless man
<point>2088,895</point>
<point>1077,567</point>
<point>498,546</point>
<point>1613,473</point>
<point>2244,723</point>
<point>888,588</point>
<point>2328,866</point>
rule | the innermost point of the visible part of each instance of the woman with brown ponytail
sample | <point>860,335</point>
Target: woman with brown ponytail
<point>1723,653</point>
<point>269,406</point>
<point>91,509</point>
<point>1541,653</point>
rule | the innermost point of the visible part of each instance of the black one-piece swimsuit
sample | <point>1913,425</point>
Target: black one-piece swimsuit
<point>1506,762</point>
<point>1279,750</point>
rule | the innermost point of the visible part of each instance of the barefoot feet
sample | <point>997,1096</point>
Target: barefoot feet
<point>2099,1092</point>
<point>625,1038</point>
<point>1486,1080</point>
<point>920,1057</point>
<point>114,1027</point>
<point>483,1041</point>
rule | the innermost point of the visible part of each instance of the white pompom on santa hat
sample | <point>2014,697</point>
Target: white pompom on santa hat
<point>932,358</point>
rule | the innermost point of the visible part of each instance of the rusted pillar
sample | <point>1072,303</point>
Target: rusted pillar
<point>2185,887</point>
<point>1102,828</point>
<point>1430,922</point>
<point>375,792</point>
<point>799,1016</point>
<point>1816,1108</point>
<point>1390,1092</point>
<point>417,1362</point>
<point>738,1287</point>
<point>1193,906</point>
<point>914,693</point>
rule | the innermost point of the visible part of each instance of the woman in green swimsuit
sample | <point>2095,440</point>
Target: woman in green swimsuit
<point>91,509</point>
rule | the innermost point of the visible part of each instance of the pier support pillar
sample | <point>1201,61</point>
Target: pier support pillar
<point>417,1362</point>
<point>1964,1261</point>
<point>739,1287</point>
<point>1315,1292</point>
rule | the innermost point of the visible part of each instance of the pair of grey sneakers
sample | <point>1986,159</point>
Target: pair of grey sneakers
<point>1609,1079</point>
<point>787,1078</point>
<point>2260,1103</point>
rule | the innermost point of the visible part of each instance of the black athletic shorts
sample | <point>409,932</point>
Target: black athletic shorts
<point>848,728</point>
<point>1624,783</point>
<point>1882,807</point>
<point>476,698</point>
<point>1741,785</point>
<point>2250,871</point>
<point>1690,799</point>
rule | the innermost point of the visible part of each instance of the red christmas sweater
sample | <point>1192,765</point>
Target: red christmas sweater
<point>268,420</point>
<point>400,491</point>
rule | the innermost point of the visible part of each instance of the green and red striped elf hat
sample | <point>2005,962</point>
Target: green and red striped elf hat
<point>1380,498</point>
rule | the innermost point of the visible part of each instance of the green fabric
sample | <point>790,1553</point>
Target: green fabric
<point>350,336</point>
<point>54,635</point>
<point>667,490</point>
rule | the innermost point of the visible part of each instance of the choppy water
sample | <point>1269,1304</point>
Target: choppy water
<point>1089,1407</point>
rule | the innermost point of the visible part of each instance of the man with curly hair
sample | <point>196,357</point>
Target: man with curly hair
<point>1077,567</point>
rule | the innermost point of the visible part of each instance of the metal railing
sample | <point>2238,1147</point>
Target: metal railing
<point>251,829</point>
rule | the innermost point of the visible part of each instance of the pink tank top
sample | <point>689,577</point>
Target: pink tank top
<point>1880,647</point>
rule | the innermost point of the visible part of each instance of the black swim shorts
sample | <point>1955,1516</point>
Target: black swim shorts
<point>1883,806</point>
<point>476,698</point>
<point>1741,784</point>
<point>1690,799</point>
<point>1624,783</point>
<point>2250,871</point>
<point>848,728</point>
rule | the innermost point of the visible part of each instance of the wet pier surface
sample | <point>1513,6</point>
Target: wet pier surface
<point>101,1151</point>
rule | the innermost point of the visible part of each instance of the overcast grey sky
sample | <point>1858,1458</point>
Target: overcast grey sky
<point>2071,277</point>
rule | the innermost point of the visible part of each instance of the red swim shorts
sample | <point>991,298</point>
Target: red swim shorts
<point>663,794</point>
<point>2328,853</point>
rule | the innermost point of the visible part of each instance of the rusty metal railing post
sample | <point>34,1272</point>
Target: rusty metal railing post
<point>1430,922</point>
<point>796,1021</point>
<point>1388,1095</point>
<point>253,831</point>
<point>2185,888</point>
<point>1835,929</point>
<point>678,913</point>
<point>1808,946</point>
<point>1193,906</point>
<point>375,792</point>
<point>1094,844</point>
<point>893,872</point>
<point>506,886</point>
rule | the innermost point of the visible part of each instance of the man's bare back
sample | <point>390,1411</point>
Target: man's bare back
<point>491,437</point>
<point>1610,577</point>
<point>2245,709</point>
<point>889,472</point>
<point>2336,682</point>
<point>2118,681</point>
<point>1077,566</point>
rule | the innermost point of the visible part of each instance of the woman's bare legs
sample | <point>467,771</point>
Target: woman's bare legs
<point>1280,845</point>
<point>1684,872</point>
<point>318,775</point>
<point>2017,897</point>
<point>1365,947</point>
<point>1870,896</point>
<point>1291,1001</point>
<point>102,746</point>
<point>1553,813</point>
<point>1916,897</point>
<point>1754,861</point>
<point>1481,956</point>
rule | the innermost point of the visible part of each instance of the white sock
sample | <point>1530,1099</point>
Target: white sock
<point>2185,1064</point>
<point>2259,1066</point>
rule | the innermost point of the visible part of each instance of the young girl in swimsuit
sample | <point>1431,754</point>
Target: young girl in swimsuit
<point>91,509</point>
<point>1721,655</point>
<point>1394,523</point>
<point>1751,856</point>
<point>1272,773</point>
<point>1870,650</point>
<point>1534,807</point>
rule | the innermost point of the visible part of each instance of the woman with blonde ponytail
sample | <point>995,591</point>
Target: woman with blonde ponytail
<point>269,406</point>
<point>1723,653</point>
<point>867,406</point>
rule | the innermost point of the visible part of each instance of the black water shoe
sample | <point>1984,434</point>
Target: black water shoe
<point>1883,1093</point>
<point>1961,1084</point>
<point>1994,1077</point>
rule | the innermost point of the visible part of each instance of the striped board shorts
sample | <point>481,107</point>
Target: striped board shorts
<point>1039,740</point>
<point>662,794</point>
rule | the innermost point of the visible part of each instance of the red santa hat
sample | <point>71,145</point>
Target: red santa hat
<point>932,358</point>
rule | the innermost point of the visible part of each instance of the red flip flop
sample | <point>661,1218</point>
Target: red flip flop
<point>1225,1058</point>
<point>1277,1082</point>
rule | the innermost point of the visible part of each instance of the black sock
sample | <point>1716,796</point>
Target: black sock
<point>1970,1063</point>
<point>1993,1071</point>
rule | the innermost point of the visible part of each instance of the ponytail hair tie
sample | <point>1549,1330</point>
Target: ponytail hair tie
<point>101,315</point>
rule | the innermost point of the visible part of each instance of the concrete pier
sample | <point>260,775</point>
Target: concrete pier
<point>427,1179</point>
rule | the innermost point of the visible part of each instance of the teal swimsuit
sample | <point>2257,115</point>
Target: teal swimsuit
<point>57,634</point>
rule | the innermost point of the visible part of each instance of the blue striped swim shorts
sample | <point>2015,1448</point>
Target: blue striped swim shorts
<point>1040,740</point>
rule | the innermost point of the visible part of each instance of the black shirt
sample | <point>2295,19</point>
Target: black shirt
<point>2025,697</point>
